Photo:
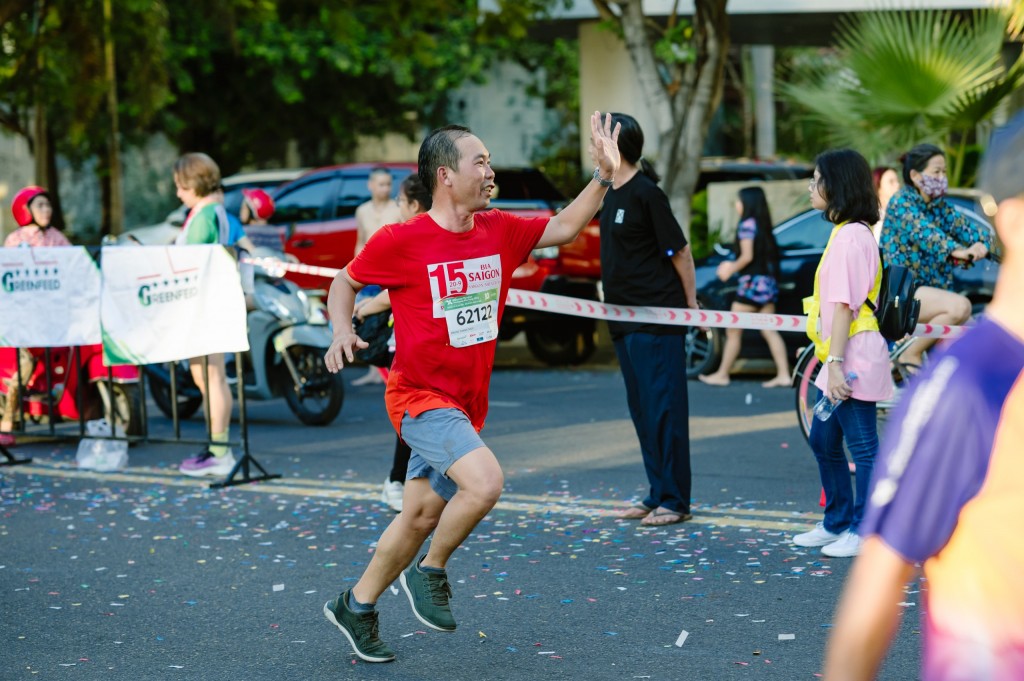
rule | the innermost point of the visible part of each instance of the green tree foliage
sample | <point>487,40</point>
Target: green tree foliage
<point>52,63</point>
<point>904,77</point>
<point>257,73</point>
<point>241,78</point>
<point>52,53</point>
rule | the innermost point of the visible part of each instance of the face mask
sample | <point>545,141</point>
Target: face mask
<point>934,187</point>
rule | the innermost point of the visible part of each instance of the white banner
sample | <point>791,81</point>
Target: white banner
<point>49,297</point>
<point>165,303</point>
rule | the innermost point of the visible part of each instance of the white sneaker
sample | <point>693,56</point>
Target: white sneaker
<point>847,546</point>
<point>819,536</point>
<point>391,495</point>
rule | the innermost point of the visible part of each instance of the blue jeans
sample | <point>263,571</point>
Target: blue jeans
<point>856,422</point>
<point>654,369</point>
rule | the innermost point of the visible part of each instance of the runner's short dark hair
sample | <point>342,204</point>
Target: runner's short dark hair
<point>439,150</point>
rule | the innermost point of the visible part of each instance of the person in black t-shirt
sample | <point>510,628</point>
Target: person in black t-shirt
<point>645,260</point>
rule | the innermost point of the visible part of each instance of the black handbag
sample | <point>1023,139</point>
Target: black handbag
<point>375,329</point>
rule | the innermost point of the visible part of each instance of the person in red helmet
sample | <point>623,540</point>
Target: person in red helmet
<point>257,207</point>
<point>33,212</point>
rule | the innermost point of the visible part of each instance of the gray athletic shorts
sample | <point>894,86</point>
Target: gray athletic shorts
<point>438,438</point>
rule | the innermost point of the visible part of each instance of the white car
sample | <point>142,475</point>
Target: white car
<point>167,231</point>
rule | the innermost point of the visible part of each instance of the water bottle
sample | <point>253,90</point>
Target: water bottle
<point>824,408</point>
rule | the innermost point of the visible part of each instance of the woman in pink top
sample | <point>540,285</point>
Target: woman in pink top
<point>842,187</point>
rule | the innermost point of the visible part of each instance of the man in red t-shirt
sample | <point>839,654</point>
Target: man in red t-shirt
<point>448,272</point>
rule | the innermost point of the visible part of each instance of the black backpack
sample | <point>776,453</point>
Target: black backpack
<point>897,310</point>
<point>375,330</point>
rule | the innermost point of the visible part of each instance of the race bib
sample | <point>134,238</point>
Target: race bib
<point>465,293</point>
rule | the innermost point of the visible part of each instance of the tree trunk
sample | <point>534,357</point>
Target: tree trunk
<point>683,113</point>
<point>113,223</point>
<point>694,105</point>
<point>53,180</point>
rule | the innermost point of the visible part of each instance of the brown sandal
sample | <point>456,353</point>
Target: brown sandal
<point>634,512</point>
<point>665,516</point>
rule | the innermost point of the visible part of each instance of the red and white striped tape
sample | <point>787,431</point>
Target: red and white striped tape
<point>578,307</point>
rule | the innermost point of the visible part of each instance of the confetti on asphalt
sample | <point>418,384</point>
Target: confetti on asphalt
<point>295,536</point>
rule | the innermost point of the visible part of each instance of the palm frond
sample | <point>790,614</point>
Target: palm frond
<point>904,77</point>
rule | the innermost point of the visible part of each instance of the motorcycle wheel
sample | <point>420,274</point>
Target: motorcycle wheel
<point>561,344</point>
<point>161,392</point>
<point>324,391</point>
<point>124,407</point>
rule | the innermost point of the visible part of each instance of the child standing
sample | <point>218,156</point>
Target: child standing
<point>757,262</point>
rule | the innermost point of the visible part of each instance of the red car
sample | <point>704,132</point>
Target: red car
<point>314,220</point>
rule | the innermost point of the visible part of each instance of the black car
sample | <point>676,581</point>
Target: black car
<point>801,241</point>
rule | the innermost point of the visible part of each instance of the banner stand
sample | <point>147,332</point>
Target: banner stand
<point>247,460</point>
<point>243,471</point>
<point>11,460</point>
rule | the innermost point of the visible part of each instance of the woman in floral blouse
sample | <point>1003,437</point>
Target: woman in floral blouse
<point>927,234</point>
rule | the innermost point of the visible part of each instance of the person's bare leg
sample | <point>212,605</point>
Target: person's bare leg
<point>480,482</point>
<point>777,347</point>
<point>219,392</point>
<point>10,407</point>
<point>26,365</point>
<point>397,547</point>
<point>371,377</point>
<point>733,343</point>
<point>937,307</point>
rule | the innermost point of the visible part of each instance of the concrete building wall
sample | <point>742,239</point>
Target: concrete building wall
<point>17,169</point>
<point>500,112</point>
<point>608,83</point>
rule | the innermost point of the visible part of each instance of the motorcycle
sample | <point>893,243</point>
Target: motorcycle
<point>77,385</point>
<point>288,335</point>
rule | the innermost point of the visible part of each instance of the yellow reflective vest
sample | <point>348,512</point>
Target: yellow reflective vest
<point>864,321</point>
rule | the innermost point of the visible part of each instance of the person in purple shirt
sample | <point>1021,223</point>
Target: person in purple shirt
<point>948,490</point>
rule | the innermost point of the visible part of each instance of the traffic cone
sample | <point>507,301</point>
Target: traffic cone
<point>821,502</point>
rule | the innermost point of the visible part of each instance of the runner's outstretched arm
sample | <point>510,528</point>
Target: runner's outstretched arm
<point>565,226</point>
<point>340,301</point>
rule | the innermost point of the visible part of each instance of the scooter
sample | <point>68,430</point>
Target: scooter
<point>288,336</point>
<point>76,385</point>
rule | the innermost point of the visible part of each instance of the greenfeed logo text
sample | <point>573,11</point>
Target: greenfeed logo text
<point>30,279</point>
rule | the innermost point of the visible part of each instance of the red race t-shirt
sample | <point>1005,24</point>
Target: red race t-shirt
<point>448,294</point>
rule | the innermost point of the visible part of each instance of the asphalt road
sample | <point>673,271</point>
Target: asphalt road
<point>145,574</point>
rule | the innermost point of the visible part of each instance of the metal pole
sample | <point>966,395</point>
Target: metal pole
<point>243,423</point>
<point>48,364</point>
<point>206,398</point>
<point>142,404</point>
<point>174,399</point>
<point>76,352</point>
